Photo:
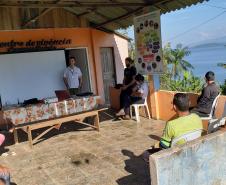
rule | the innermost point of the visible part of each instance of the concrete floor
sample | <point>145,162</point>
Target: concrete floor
<point>82,156</point>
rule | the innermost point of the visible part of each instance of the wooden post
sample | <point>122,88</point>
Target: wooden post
<point>83,22</point>
<point>94,60</point>
<point>15,134</point>
<point>152,100</point>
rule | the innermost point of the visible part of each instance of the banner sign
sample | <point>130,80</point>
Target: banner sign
<point>148,43</point>
<point>33,45</point>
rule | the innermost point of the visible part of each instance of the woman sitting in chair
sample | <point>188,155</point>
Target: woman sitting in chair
<point>139,94</point>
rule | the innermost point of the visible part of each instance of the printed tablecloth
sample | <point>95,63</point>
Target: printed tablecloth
<point>39,112</point>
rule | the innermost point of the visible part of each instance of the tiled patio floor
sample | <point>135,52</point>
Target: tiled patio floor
<point>82,156</point>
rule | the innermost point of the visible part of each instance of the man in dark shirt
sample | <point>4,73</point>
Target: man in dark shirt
<point>128,83</point>
<point>209,93</point>
<point>129,74</point>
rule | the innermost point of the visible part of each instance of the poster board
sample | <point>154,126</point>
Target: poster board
<point>31,75</point>
<point>148,42</point>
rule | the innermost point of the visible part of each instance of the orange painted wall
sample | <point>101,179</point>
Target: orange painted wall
<point>80,37</point>
<point>220,106</point>
<point>165,107</point>
<point>120,47</point>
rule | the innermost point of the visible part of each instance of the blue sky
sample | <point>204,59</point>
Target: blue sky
<point>180,21</point>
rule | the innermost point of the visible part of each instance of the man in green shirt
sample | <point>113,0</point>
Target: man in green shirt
<point>185,123</point>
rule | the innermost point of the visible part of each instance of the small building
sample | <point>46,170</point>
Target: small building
<point>99,55</point>
<point>85,30</point>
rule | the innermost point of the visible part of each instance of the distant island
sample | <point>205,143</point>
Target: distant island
<point>217,42</point>
<point>208,45</point>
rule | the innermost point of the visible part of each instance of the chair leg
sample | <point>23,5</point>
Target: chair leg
<point>147,111</point>
<point>137,114</point>
<point>131,111</point>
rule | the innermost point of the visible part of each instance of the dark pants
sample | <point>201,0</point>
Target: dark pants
<point>198,112</point>
<point>154,150</point>
<point>126,100</point>
<point>73,91</point>
<point>125,94</point>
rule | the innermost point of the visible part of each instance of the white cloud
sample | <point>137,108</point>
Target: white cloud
<point>205,35</point>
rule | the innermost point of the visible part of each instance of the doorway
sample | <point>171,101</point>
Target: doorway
<point>81,57</point>
<point>108,70</point>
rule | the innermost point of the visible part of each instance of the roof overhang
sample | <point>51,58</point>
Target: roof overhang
<point>102,14</point>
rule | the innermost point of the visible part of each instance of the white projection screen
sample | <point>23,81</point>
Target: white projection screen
<point>31,75</point>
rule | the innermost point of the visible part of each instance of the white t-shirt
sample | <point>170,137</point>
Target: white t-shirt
<point>143,89</point>
<point>72,76</point>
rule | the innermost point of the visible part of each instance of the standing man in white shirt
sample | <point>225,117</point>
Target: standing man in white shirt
<point>73,77</point>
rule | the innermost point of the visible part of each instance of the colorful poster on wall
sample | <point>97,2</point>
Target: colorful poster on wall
<point>148,43</point>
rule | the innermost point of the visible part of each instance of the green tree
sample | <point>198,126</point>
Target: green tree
<point>131,47</point>
<point>178,74</point>
<point>187,82</point>
<point>223,86</point>
<point>131,43</point>
<point>174,59</point>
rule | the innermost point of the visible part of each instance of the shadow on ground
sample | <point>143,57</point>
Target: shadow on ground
<point>139,169</point>
<point>155,137</point>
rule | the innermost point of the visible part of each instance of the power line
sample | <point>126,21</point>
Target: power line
<point>197,26</point>
<point>213,6</point>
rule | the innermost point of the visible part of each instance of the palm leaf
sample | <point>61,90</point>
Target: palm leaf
<point>187,65</point>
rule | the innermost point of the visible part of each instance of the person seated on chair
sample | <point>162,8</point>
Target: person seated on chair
<point>2,139</point>
<point>128,81</point>
<point>140,91</point>
<point>138,95</point>
<point>2,181</point>
<point>186,122</point>
<point>4,176</point>
<point>209,93</point>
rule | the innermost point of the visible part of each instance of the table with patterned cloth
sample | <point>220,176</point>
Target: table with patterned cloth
<point>38,112</point>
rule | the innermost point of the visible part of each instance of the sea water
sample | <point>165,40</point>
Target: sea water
<point>206,59</point>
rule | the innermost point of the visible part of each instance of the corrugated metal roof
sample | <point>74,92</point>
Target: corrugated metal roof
<point>105,14</point>
<point>115,12</point>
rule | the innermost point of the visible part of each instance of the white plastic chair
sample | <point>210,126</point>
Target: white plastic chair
<point>189,136</point>
<point>137,110</point>
<point>214,105</point>
<point>214,124</point>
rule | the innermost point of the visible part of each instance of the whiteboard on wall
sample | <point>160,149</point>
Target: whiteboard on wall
<point>31,75</point>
